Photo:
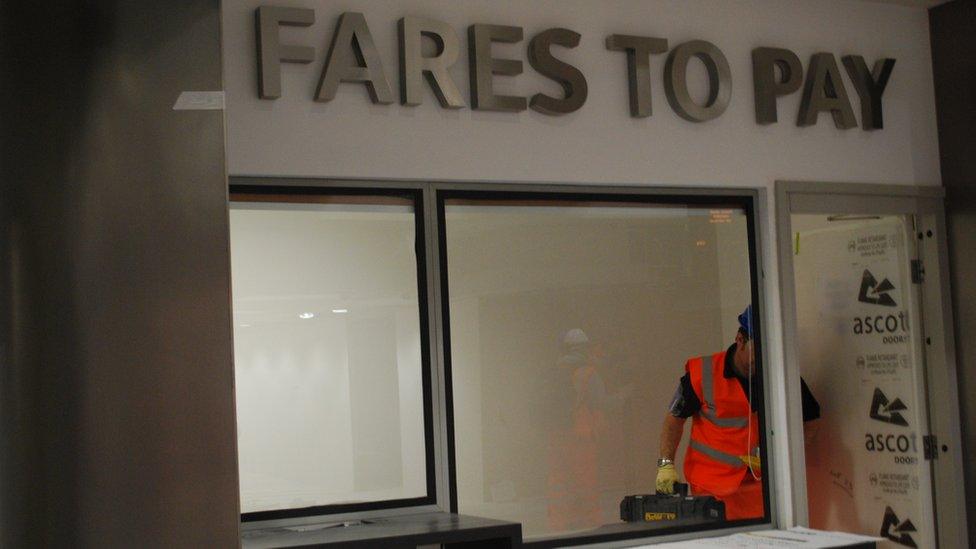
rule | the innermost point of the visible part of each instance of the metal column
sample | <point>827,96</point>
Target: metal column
<point>951,27</point>
<point>116,379</point>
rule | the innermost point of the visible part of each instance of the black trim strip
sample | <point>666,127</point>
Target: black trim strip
<point>446,339</point>
<point>324,510</point>
<point>755,274</point>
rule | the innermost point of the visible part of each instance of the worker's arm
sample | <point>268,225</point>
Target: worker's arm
<point>667,475</point>
<point>684,404</point>
<point>671,435</point>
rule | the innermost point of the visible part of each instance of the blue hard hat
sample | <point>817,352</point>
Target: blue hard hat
<point>745,320</point>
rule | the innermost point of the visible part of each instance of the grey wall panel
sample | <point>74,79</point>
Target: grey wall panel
<point>953,33</point>
<point>116,377</point>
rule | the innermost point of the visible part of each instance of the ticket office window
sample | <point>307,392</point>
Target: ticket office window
<point>565,319</point>
<point>570,320</point>
<point>331,347</point>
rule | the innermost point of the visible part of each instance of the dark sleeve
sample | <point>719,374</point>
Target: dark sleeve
<point>685,402</point>
<point>811,408</point>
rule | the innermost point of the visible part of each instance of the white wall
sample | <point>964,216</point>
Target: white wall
<point>601,143</point>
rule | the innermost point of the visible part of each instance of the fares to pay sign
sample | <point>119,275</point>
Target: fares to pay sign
<point>353,58</point>
<point>866,470</point>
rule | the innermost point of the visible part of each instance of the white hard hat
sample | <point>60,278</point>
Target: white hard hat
<point>575,336</point>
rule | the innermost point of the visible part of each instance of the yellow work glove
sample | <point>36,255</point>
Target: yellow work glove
<point>667,475</point>
<point>751,461</point>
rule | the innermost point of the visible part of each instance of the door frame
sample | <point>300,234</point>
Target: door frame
<point>927,205</point>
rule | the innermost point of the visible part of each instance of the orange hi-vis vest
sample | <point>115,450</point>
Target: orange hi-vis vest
<point>720,431</point>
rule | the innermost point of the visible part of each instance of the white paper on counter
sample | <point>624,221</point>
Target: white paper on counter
<point>770,539</point>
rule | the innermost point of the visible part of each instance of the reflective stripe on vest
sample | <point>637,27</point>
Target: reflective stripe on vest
<point>717,455</point>
<point>708,411</point>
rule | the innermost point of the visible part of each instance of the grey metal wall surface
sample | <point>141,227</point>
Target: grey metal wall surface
<point>953,33</point>
<point>116,379</point>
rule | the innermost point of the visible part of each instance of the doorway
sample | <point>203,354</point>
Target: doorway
<point>865,329</point>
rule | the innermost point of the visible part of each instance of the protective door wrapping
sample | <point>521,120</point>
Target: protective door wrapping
<point>858,346</point>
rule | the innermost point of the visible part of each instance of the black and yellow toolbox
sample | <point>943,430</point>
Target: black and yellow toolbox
<point>671,507</point>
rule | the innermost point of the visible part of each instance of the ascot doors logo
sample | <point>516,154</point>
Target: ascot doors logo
<point>904,446</point>
<point>903,530</point>
<point>892,326</point>
<point>874,292</point>
<point>888,412</point>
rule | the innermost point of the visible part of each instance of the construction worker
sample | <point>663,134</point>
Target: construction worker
<point>720,392</point>
<point>573,487</point>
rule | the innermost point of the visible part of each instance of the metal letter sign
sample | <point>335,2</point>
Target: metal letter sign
<point>353,58</point>
<point>869,87</point>
<point>483,66</point>
<point>824,91</point>
<point>568,76</point>
<point>271,53</point>
<point>765,61</point>
<point>413,63</point>
<point>719,81</point>
<point>639,49</point>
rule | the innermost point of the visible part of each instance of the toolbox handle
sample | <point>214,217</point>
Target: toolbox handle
<point>680,488</point>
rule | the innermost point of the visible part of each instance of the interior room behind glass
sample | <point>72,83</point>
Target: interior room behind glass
<point>563,310</point>
<point>327,351</point>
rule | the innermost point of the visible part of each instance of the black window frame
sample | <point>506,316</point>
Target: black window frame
<point>429,200</point>
<point>745,201</point>
<point>416,196</point>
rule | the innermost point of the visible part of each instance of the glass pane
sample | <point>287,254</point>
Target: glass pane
<point>570,325</point>
<point>858,350</point>
<point>327,348</point>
